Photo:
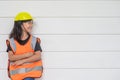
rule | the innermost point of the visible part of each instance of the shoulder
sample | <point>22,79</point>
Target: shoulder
<point>36,39</point>
<point>9,41</point>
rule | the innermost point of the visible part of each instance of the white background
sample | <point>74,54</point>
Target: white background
<point>80,38</point>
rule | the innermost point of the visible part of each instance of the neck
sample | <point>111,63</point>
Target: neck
<point>24,35</point>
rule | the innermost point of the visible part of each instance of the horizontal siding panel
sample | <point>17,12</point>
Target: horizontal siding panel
<point>81,74</point>
<point>83,60</point>
<point>68,60</point>
<point>77,74</point>
<point>68,25</point>
<point>61,8</point>
<point>74,42</point>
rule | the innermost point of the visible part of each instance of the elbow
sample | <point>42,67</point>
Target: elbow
<point>38,57</point>
<point>11,58</point>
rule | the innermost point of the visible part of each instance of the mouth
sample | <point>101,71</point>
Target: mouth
<point>30,28</point>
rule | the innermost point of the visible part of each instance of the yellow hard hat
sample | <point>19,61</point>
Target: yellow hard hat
<point>22,16</point>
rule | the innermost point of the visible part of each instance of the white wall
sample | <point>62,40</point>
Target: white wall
<point>80,39</point>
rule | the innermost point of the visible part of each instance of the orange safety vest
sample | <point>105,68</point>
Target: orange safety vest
<point>32,69</point>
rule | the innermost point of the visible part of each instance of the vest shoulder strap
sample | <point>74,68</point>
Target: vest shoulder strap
<point>33,43</point>
<point>34,40</point>
<point>12,44</point>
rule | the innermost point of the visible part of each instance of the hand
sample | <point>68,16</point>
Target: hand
<point>29,54</point>
<point>19,62</point>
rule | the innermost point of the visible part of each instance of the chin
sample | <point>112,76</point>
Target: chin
<point>29,31</point>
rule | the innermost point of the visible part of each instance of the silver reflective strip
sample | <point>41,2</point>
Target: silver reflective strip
<point>33,43</point>
<point>24,70</point>
<point>12,43</point>
<point>11,63</point>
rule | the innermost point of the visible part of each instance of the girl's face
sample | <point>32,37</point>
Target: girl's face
<point>27,26</point>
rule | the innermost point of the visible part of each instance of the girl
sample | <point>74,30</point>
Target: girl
<point>24,50</point>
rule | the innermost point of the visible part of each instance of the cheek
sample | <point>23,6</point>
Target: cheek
<point>29,27</point>
<point>25,25</point>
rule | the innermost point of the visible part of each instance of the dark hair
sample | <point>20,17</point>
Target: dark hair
<point>16,32</point>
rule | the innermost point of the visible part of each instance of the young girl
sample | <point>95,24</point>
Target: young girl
<point>24,50</point>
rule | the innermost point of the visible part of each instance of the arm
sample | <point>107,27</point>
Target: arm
<point>33,58</point>
<point>13,57</point>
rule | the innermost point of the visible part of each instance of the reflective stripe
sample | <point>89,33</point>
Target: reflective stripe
<point>24,70</point>
<point>33,43</point>
<point>12,44</point>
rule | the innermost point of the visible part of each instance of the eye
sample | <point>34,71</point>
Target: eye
<point>30,22</point>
